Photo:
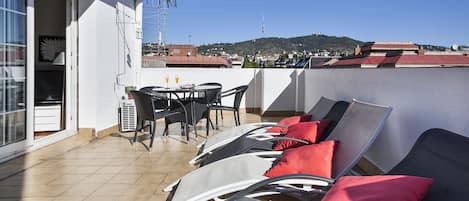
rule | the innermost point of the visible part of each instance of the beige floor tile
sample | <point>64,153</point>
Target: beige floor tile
<point>70,179</point>
<point>151,179</point>
<point>113,190</point>
<point>41,171</point>
<point>125,179</point>
<point>69,198</point>
<point>98,179</point>
<point>82,189</point>
<point>82,170</point>
<point>157,197</point>
<point>110,170</point>
<point>103,198</point>
<point>44,190</point>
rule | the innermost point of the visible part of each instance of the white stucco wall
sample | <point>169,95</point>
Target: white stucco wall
<point>269,89</point>
<point>108,49</point>
<point>87,49</point>
<point>421,98</point>
<point>282,89</point>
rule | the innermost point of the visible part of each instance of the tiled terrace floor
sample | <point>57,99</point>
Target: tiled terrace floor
<point>108,168</point>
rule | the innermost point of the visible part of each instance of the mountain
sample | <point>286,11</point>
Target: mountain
<point>268,46</point>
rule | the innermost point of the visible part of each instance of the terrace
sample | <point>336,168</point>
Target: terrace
<point>110,168</point>
<point>105,168</point>
<point>65,67</point>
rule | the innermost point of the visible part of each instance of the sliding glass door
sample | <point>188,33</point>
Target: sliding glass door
<point>12,71</point>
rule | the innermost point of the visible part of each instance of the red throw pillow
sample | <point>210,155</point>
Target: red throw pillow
<point>288,122</point>
<point>307,131</point>
<point>315,159</point>
<point>383,188</point>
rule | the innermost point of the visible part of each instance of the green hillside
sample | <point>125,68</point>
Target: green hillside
<point>310,43</point>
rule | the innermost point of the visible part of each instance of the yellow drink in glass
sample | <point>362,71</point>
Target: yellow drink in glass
<point>166,79</point>
<point>177,79</point>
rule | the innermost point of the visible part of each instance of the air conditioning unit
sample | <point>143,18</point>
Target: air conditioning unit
<point>128,116</point>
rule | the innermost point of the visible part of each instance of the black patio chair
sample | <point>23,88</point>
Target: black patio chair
<point>209,98</point>
<point>438,154</point>
<point>149,110</point>
<point>218,99</point>
<point>158,103</point>
<point>238,92</point>
<point>200,107</point>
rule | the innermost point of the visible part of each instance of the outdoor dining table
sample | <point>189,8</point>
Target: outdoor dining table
<point>189,95</point>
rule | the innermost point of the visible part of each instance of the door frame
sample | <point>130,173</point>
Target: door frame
<point>71,79</point>
<point>12,150</point>
<point>71,99</point>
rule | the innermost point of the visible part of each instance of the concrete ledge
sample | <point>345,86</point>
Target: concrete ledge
<point>100,134</point>
<point>87,131</point>
<point>252,110</point>
<point>366,167</point>
<point>108,131</point>
<point>281,113</point>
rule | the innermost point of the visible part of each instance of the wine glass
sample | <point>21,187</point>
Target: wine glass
<point>166,79</point>
<point>177,80</point>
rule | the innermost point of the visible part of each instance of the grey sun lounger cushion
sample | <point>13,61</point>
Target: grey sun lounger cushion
<point>239,146</point>
<point>322,107</point>
<point>356,131</point>
<point>438,154</point>
<point>443,156</point>
<point>246,145</point>
<point>228,134</point>
<point>238,172</point>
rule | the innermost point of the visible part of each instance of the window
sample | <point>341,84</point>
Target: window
<point>12,71</point>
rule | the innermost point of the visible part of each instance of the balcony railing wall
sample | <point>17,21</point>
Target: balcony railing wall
<point>269,89</point>
<point>421,98</point>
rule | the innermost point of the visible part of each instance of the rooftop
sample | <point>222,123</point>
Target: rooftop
<point>190,61</point>
<point>389,46</point>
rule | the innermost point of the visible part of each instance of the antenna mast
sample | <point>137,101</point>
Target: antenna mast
<point>161,8</point>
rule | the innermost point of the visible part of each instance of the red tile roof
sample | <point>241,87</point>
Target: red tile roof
<point>432,59</point>
<point>190,60</point>
<point>173,46</point>
<point>368,60</point>
<point>405,60</point>
<point>389,46</point>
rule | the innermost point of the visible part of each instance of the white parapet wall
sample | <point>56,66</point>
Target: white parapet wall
<point>282,89</point>
<point>422,98</point>
<point>269,89</point>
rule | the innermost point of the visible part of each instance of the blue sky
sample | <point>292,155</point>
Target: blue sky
<point>439,22</point>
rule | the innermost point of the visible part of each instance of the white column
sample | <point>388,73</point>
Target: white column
<point>30,73</point>
<point>139,40</point>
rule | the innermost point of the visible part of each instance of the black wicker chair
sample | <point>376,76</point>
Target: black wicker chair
<point>150,107</point>
<point>238,92</point>
<point>217,101</point>
<point>200,107</point>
